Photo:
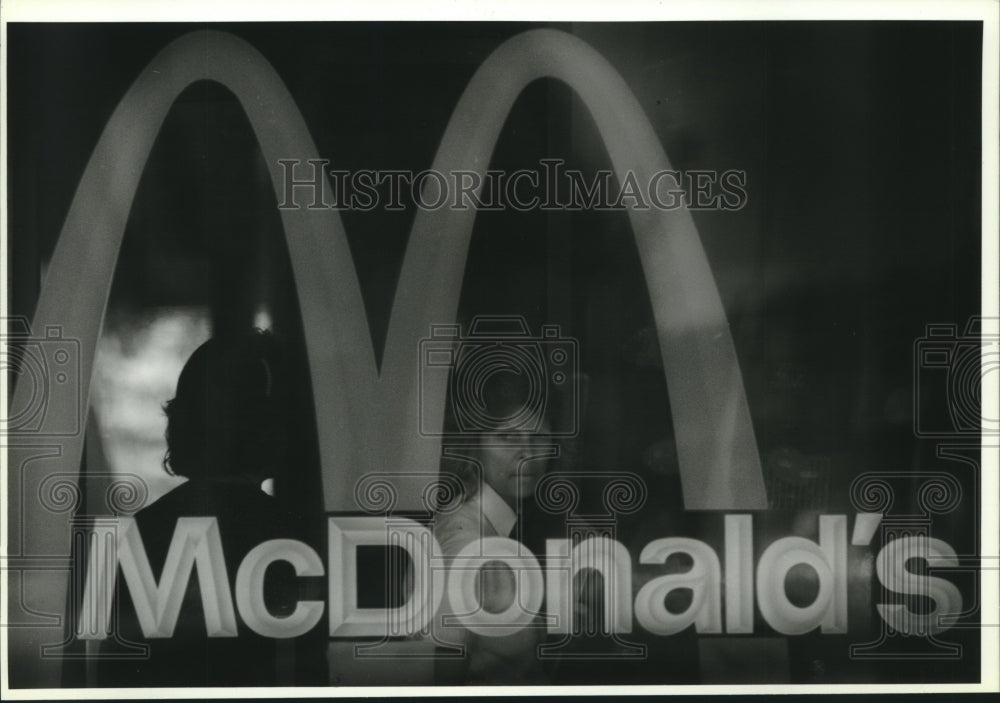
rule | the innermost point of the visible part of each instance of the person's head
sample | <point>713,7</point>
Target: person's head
<point>512,463</point>
<point>510,453</point>
<point>229,416</point>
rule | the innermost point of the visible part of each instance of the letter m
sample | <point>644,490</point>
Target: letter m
<point>195,542</point>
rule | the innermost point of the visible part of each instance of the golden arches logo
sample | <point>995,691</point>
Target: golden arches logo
<point>717,450</point>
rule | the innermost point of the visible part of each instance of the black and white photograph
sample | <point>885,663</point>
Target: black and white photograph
<point>509,350</point>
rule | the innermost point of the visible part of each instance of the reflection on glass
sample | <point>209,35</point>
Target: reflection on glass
<point>136,367</point>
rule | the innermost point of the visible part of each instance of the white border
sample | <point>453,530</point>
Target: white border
<point>987,11</point>
<point>492,10</point>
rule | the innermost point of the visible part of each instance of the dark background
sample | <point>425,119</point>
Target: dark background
<point>861,144</point>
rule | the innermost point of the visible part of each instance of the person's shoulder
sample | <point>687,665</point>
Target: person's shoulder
<point>173,503</point>
<point>243,508</point>
<point>455,529</point>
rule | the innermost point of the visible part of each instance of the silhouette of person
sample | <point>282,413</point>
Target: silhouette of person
<point>226,433</point>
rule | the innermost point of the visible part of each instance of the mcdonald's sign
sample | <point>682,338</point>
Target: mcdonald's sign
<point>386,424</point>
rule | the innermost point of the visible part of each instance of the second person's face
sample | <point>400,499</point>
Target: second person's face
<point>514,463</point>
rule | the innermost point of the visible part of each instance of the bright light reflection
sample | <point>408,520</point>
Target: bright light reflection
<point>262,318</point>
<point>135,372</point>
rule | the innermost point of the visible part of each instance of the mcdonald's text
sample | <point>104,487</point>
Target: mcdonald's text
<point>437,581</point>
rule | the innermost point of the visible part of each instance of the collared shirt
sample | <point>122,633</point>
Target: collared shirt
<point>485,514</point>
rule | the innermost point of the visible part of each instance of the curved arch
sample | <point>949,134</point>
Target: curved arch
<point>74,296</point>
<point>717,449</point>
<point>353,403</point>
